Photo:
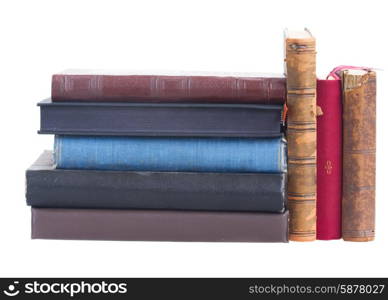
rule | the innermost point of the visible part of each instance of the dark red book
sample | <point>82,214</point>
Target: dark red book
<point>329,159</point>
<point>78,85</point>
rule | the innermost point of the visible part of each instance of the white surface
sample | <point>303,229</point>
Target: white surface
<point>39,38</point>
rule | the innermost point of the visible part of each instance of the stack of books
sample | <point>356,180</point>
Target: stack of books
<point>163,157</point>
<point>204,157</point>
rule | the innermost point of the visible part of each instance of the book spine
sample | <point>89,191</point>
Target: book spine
<point>153,225</point>
<point>359,156</point>
<point>171,154</point>
<point>261,90</point>
<point>329,159</point>
<point>161,119</point>
<point>47,186</point>
<point>301,134</point>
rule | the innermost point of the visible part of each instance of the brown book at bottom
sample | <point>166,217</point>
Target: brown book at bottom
<point>152,225</point>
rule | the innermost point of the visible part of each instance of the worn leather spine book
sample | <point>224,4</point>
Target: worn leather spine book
<point>329,159</point>
<point>202,87</point>
<point>301,133</point>
<point>359,155</point>
<point>157,225</point>
<point>177,154</point>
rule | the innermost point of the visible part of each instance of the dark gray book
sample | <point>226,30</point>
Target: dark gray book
<point>68,188</point>
<point>160,119</point>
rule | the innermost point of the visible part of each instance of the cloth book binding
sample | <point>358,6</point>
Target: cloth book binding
<point>329,159</point>
<point>162,119</point>
<point>51,187</point>
<point>171,154</point>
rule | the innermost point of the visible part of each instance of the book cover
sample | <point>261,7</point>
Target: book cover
<point>300,64</point>
<point>105,85</point>
<point>359,155</point>
<point>329,159</point>
<point>160,119</point>
<point>48,186</point>
<point>236,155</point>
<point>153,225</point>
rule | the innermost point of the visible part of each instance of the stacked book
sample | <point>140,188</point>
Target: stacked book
<point>202,157</point>
<point>164,157</point>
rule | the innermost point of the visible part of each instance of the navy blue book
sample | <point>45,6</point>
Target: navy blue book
<point>160,119</point>
<point>48,186</point>
<point>171,154</point>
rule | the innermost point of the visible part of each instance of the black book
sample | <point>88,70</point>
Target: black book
<point>59,188</point>
<point>160,119</point>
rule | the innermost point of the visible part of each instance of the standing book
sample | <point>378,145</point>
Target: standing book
<point>329,159</point>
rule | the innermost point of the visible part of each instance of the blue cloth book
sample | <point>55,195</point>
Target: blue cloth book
<point>245,155</point>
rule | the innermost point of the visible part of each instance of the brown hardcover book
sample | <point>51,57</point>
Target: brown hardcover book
<point>126,86</point>
<point>158,225</point>
<point>301,133</point>
<point>359,155</point>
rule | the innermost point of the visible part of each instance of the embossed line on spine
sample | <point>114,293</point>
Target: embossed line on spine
<point>366,151</point>
<point>358,233</point>
<point>301,123</point>
<point>308,161</point>
<point>269,88</point>
<point>357,188</point>
<point>303,233</point>
<point>308,91</point>
<point>301,130</point>
<point>301,201</point>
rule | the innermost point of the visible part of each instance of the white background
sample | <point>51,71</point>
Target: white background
<point>39,38</point>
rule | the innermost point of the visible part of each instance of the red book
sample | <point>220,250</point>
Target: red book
<point>123,86</point>
<point>329,159</point>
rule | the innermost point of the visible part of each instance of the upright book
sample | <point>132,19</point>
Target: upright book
<point>236,155</point>
<point>104,85</point>
<point>47,186</point>
<point>359,155</point>
<point>329,159</point>
<point>160,119</point>
<point>301,133</point>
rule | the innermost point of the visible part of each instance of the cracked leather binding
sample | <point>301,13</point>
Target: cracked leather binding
<point>123,86</point>
<point>359,155</point>
<point>301,133</point>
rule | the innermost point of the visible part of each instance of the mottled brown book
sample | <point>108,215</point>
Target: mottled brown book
<point>301,133</point>
<point>160,86</point>
<point>359,155</point>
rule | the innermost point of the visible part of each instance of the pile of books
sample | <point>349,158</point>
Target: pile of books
<point>164,157</point>
<point>209,157</point>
